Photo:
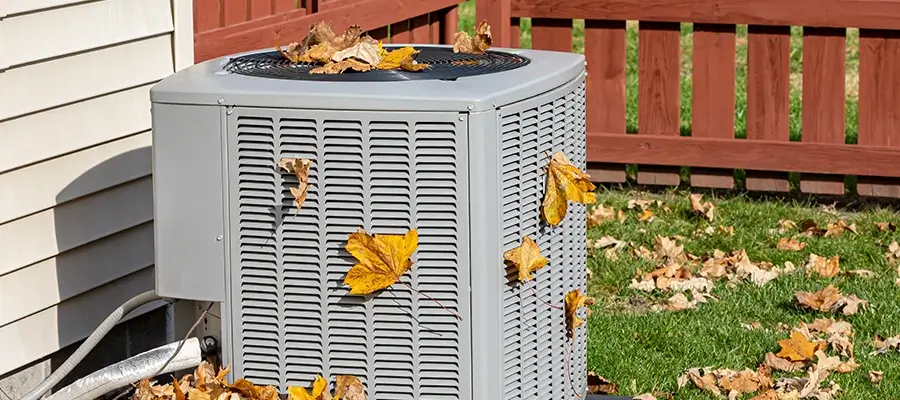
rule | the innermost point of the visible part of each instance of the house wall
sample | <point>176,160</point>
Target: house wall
<point>76,215</point>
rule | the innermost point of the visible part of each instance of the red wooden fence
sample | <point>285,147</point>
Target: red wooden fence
<point>712,149</point>
<point>229,26</point>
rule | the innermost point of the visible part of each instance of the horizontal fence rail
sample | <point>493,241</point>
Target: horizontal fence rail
<point>768,153</point>
<point>223,27</point>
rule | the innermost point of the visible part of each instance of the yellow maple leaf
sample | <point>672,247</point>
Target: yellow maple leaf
<point>300,393</point>
<point>574,300</point>
<point>565,182</point>
<point>527,258</point>
<point>383,259</point>
<point>393,59</point>
<point>797,348</point>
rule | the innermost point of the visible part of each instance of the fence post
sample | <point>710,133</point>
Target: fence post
<point>499,16</point>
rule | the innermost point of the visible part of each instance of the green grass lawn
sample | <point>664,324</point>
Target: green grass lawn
<point>645,350</point>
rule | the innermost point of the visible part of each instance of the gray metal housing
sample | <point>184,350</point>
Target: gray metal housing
<point>461,161</point>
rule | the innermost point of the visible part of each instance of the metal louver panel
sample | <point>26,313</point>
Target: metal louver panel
<point>535,345</point>
<point>291,317</point>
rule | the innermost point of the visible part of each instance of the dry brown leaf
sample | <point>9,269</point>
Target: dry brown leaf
<point>600,214</point>
<point>862,273</point>
<point>876,376</point>
<point>777,363</point>
<point>893,253</point>
<point>797,348</point>
<point>785,225</point>
<point>644,396</point>
<point>479,44</point>
<point>300,168</point>
<point>341,66</point>
<point>612,245</point>
<point>886,226</point>
<point>825,267</point>
<point>599,385</point>
<point>383,259</point>
<point>810,228</point>
<point>348,387</point>
<point>830,299</point>
<point>574,300</point>
<point>565,182</point>
<point>838,228</point>
<point>703,209</point>
<point>883,346</point>
<point>790,244</point>
<point>362,51</point>
<point>526,258</point>
<point>704,380</point>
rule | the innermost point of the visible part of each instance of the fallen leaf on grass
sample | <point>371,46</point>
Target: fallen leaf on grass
<point>383,259</point>
<point>830,299</point>
<point>706,210</point>
<point>300,168</point>
<point>785,225</point>
<point>876,376</point>
<point>810,228</point>
<point>735,383</point>
<point>825,267</point>
<point>612,245</point>
<point>478,44</point>
<point>601,214</point>
<point>886,226</point>
<point>838,228</point>
<point>883,346</point>
<point>646,216</point>
<point>893,253</point>
<point>679,301</point>
<point>599,385</point>
<point>797,348</point>
<point>780,364</point>
<point>790,244</point>
<point>565,182</point>
<point>644,396</point>
<point>862,273</point>
<point>526,258</point>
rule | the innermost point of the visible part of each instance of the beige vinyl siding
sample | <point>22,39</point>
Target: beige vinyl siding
<point>76,198</point>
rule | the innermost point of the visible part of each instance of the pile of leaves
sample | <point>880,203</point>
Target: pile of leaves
<point>207,384</point>
<point>803,361</point>
<point>355,50</point>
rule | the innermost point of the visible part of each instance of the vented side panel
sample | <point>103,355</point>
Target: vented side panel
<point>292,317</point>
<point>535,344</point>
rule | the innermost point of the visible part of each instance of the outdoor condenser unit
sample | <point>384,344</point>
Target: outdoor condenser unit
<point>456,151</point>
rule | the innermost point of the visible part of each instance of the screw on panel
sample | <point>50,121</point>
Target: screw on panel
<point>229,110</point>
<point>219,238</point>
<point>462,118</point>
<point>220,100</point>
<point>471,106</point>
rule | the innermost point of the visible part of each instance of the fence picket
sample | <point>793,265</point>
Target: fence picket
<point>768,97</point>
<point>879,99</point>
<point>449,25</point>
<point>604,51</point>
<point>823,99</point>
<point>551,34</point>
<point>260,8</point>
<point>515,33</point>
<point>659,92</point>
<point>713,95</point>
<point>282,6</point>
<point>206,15</point>
<point>234,11</point>
<point>400,32</point>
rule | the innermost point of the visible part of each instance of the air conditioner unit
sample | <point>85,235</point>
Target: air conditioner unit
<point>455,151</point>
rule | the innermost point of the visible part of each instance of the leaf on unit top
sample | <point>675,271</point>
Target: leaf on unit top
<point>362,51</point>
<point>478,44</point>
<point>300,168</point>
<point>574,300</point>
<point>341,66</point>
<point>348,387</point>
<point>526,258</point>
<point>383,259</point>
<point>403,58</point>
<point>565,182</point>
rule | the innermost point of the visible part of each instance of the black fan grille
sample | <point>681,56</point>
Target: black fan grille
<point>444,65</point>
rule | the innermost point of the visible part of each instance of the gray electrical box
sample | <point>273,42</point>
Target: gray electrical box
<point>455,151</point>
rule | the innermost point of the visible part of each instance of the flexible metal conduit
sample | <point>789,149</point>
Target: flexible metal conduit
<point>90,343</point>
<point>142,366</point>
